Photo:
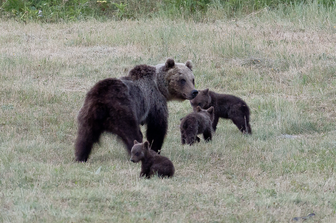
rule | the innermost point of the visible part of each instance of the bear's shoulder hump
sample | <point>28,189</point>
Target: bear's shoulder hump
<point>141,71</point>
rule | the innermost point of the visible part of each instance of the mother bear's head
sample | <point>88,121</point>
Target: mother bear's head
<point>179,80</point>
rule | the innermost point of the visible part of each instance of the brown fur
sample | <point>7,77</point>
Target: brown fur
<point>226,106</point>
<point>197,122</point>
<point>119,106</point>
<point>151,162</point>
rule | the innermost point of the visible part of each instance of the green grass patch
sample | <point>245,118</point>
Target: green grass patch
<point>279,59</point>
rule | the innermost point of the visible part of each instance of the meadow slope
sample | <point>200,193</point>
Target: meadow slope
<point>283,66</point>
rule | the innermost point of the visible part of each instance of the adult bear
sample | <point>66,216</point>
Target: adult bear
<point>119,106</point>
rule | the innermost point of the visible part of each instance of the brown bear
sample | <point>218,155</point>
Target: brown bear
<point>119,106</point>
<point>151,162</point>
<point>197,122</point>
<point>226,106</point>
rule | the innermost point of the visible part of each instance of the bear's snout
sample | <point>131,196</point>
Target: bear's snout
<point>132,160</point>
<point>194,94</point>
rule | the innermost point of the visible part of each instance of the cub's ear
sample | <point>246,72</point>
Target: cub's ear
<point>146,145</point>
<point>206,91</point>
<point>210,110</point>
<point>135,142</point>
<point>189,64</point>
<point>170,63</point>
<point>198,109</point>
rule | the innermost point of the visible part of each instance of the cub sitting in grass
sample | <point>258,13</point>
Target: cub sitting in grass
<point>226,106</point>
<point>197,122</point>
<point>151,162</point>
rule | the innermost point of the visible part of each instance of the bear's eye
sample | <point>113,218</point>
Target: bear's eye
<point>137,153</point>
<point>199,104</point>
<point>183,81</point>
<point>193,81</point>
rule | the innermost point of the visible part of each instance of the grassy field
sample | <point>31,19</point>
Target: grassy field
<point>282,63</point>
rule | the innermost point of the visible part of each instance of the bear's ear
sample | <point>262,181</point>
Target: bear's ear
<point>170,63</point>
<point>198,109</point>
<point>189,64</point>
<point>135,142</point>
<point>206,91</point>
<point>146,145</point>
<point>210,110</point>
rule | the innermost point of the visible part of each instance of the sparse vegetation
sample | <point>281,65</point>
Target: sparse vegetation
<point>281,61</point>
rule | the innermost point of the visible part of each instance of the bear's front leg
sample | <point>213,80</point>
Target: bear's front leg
<point>183,141</point>
<point>146,174</point>
<point>207,135</point>
<point>215,122</point>
<point>157,126</point>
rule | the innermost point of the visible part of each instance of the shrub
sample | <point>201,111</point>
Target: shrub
<point>56,10</point>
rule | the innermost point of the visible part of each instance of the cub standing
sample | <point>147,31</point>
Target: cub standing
<point>197,122</point>
<point>226,106</point>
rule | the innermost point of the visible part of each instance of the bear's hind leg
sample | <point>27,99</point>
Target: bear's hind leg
<point>242,124</point>
<point>86,137</point>
<point>126,128</point>
<point>128,138</point>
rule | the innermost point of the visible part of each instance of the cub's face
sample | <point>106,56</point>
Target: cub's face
<point>138,151</point>
<point>181,80</point>
<point>202,100</point>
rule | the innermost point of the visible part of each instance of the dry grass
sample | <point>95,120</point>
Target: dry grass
<point>282,67</point>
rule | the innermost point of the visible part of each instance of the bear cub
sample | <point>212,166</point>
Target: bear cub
<point>151,162</point>
<point>197,122</point>
<point>226,106</point>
